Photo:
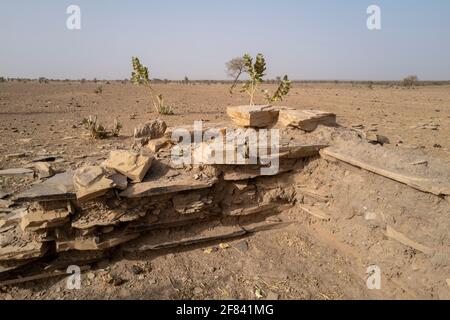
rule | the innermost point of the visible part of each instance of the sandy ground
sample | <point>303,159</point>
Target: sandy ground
<point>286,264</point>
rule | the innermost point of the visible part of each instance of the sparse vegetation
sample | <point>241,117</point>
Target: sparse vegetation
<point>140,76</point>
<point>99,90</point>
<point>410,81</point>
<point>117,126</point>
<point>256,73</point>
<point>98,131</point>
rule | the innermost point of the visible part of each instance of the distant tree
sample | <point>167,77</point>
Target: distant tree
<point>256,71</point>
<point>410,81</point>
<point>235,67</point>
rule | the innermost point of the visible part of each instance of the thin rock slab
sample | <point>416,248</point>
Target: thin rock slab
<point>44,220</point>
<point>191,203</point>
<point>58,187</point>
<point>237,173</point>
<point>48,158</point>
<point>400,237</point>
<point>12,218</point>
<point>103,213</point>
<point>253,116</point>
<point>306,120</point>
<point>16,245</point>
<point>212,231</point>
<point>165,239</point>
<point>91,182</point>
<point>131,164</point>
<point>259,209</point>
<point>95,243</point>
<point>164,180</point>
<point>16,172</point>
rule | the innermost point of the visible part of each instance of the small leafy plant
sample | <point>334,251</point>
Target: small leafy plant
<point>256,71</point>
<point>98,131</point>
<point>140,76</point>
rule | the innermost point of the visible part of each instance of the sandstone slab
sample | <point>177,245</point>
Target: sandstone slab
<point>306,120</point>
<point>131,164</point>
<point>253,116</point>
<point>44,220</point>
<point>58,187</point>
<point>90,183</point>
<point>164,180</point>
<point>16,172</point>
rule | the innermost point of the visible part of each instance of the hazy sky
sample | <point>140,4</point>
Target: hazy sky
<point>314,39</point>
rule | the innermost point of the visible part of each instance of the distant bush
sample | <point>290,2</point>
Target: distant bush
<point>99,90</point>
<point>410,81</point>
<point>235,67</point>
<point>2,79</point>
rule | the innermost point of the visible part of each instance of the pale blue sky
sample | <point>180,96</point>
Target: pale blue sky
<point>320,39</point>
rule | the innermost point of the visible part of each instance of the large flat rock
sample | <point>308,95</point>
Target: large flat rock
<point>306,120</point>
<point>59,187</point>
